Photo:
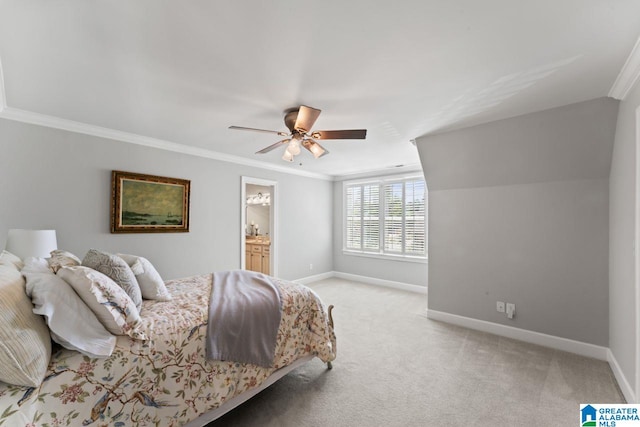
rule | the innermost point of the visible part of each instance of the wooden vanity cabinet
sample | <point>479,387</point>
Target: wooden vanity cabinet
<point>266,259</point>
<point>257,257</point>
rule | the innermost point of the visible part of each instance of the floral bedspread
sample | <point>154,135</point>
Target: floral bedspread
<point>164,381</point>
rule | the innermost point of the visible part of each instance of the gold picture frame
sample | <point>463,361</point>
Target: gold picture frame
<point>148,203</point>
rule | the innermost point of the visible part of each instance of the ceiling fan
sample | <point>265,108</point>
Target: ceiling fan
<point>299,121</point>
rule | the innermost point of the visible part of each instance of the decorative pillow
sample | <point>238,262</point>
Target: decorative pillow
<point>110,303</point>
<point>151,284</point>
<point>117,270</point>
<point>137,269</point>
<point>73,325</point>
<point>25,344</point>
<point>11,260</point>
<point>61,259</point>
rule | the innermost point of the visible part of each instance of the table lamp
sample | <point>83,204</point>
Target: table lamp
<point>31,243</point>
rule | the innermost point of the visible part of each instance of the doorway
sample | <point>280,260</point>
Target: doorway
<point>258,234</point>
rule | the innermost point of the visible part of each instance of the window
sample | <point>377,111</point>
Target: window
<point>386,217</point>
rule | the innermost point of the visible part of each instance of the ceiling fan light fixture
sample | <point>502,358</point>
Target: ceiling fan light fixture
<point>294,147</point>
<point>314,148</point>
<point>300,121</point>
<point>287,156</point>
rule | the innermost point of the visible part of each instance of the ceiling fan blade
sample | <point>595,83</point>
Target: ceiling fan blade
<point>307,116</point>
<point>273,146</point>
<point>340,134</point>
<point>316,149</point>
<point>258,130</point>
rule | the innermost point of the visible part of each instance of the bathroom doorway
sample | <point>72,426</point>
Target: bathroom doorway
<point>258,234</point>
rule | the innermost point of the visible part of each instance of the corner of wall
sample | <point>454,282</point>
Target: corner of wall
<point>623,383</point>
<point>3,97</point>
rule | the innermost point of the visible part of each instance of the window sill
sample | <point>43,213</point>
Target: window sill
<point>401,258</point>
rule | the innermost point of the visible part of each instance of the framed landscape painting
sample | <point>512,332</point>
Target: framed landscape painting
<point>148,203</point>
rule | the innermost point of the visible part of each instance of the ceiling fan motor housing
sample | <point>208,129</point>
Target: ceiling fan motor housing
<point>290,121</point>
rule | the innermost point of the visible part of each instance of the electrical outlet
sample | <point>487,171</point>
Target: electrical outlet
<point>500,306</point>
<point>310,266</point>
<point>511,310</point>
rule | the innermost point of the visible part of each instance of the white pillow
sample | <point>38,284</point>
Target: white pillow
<point>25,344</point>
<point>137,267</point>
<point>73,325</point>
<point>151,284</point>
<point>11,260</point>
<point>110,303</point>
<point>37,265</point>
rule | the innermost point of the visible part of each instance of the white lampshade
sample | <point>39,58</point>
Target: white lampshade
<point>27,243</point>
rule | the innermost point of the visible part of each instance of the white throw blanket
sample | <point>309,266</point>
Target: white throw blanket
<point>244,315</point>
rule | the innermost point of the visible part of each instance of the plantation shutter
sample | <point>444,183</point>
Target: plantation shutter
<point>354,217</point>
<point>415,224</point>
<point>393,213</point>
<point>371,217</point>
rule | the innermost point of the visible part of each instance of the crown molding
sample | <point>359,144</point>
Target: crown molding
<point>395,170</point>
<point>101,132</point>
<point>628,75</point>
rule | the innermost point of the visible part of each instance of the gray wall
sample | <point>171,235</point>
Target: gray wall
<point>518,212</point>
<point>61,180</point>
<point>412,273</point>
<point>623,330</point>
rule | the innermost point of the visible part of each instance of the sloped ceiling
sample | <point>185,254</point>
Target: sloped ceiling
<point>572,142</point>
<point>177,74</point>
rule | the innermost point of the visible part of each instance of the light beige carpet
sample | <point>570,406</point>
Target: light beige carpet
<point>395,367</point>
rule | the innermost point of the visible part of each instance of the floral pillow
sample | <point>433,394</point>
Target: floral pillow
<point>118,270</point>
<point>110,303</point>
<point>61,259</point>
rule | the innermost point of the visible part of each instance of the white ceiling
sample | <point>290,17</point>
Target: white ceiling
<point>181,72</point>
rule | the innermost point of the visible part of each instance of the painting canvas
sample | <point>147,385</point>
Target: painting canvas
<point>148,203</point>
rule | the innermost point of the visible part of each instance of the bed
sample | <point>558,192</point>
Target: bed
<point>165,379</point>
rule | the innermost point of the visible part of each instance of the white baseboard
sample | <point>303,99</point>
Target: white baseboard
<point>315,278</point>
<point>363,279</point>
<point>624,385</point>
<point>558,343</point>
<point>381,282</point>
